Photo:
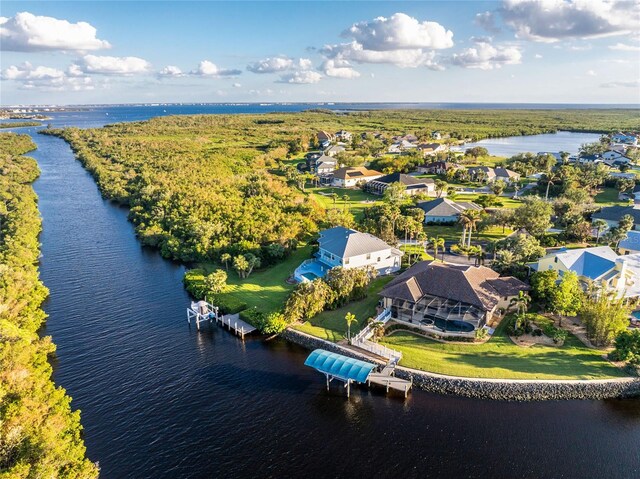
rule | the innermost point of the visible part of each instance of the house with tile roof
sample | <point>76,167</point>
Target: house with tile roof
<point>350,176</point>
<point>349,248</point>
<point>494,174</point>
<point>444,210</point>
<point>449,298</point>
<point>413,185</point>
<point>600,265</point>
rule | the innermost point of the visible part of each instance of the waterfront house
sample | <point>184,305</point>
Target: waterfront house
<point>351,176</point>
<point>624,138</point>
<point>613,157</point>
<point>437,167</point>
<point>600,265</point>
<point>430,149</point>
<point>631,244</point>
<point>449,297</point>
<point>349,248</point>
<point>489,175</point>
<point>444,210</point>
<point>413,185</point>
<point>613,214</point>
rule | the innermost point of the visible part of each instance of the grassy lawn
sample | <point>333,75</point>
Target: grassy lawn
<point>454,232</point>
<point>266,290</point>
<point>501,358</point>
<point>330,325</point>
<point>355,204</point>
<point>506,202</point>
<point>609,196</point>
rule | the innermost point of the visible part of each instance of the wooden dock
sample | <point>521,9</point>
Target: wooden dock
<point>387,379</point>
<point>235,324</point>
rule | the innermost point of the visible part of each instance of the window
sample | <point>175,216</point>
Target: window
<point>346,261</point>
<point>378,259</point>
<point>368,255</point>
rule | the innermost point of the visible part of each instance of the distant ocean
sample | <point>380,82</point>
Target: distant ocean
<point>87,116</point>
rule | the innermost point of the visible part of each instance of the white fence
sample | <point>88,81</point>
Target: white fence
<point>361,340</point>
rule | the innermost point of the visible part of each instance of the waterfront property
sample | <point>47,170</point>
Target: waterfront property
<point>351,176</point>
<point>413,185</point>
<point>444,210</point>
<point>349,248</point>
<point>449,298</point>
<point>600,265</point>
<point>489,175</point>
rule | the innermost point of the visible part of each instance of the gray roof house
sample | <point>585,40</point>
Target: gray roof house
<point>414,185</point>
<point>449,298</point>
<point>494,174</point>
<point>613,214</point>
<point>349,248</point>
<point>443,210</point>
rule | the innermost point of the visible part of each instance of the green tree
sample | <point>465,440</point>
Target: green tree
<point>350,318</point>
<point>600,226</point>
<point>534,215</point>
<point>498,187</point>
<point>544,285</point>
<point>394,193</point>
<point>436,243</point>
<point>469,220</point>
<point>605,317</point>
<point>241,265</point>
<point>215,282</point>
<point>440,187</point>
<point>225,258</point>
<point>568,297</point>
<point>627,347</point>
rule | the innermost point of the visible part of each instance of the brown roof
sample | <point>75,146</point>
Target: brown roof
<point>476,285</point>
<point>352,172</point>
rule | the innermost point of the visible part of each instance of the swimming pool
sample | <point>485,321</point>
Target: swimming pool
<point>309,276</point>
<point>452,325</point>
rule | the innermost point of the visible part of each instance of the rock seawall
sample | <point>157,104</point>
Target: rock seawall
<point>497,389</point>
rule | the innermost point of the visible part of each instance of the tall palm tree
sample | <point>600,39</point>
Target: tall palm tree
<point>436,243</point>
<point>350,318</point>
<point>334,197</point>
<point>346,199</point>
<point>599,225</point>
<point>550,176</point>
<point>521,302</point>
<point>469,220</point>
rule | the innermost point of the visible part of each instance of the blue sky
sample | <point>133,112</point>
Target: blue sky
<point>556,51</point>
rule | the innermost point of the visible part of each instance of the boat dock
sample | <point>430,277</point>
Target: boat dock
<point>202,311</point>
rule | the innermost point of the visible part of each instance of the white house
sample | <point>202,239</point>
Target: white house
<point>600,265</point>
<point>344,135</point>
<point>616,157</point>
<point>350,176</point>
<point>349,248</point>
<point>334,150</point>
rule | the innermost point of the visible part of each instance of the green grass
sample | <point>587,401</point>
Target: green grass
<point>609,196</point>
<point>356,198</point>
<point>266,290</point>
<point>506,202</point>
<point>501,358</point>
<point>454,233</point>
<point>330,325</point>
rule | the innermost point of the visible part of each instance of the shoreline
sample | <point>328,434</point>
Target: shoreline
<point>489,388</point>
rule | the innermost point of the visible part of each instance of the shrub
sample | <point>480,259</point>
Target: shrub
<point>194,282</point>
<point>627,347</point>
<point>230,305</point>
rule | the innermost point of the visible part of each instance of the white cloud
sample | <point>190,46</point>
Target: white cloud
<point>621,84</point>
<point>106,65</point>
<point>339,69</point>
<point>554,20</point>
<point>486,56</point>
<point>301,77</point>
<point>402,58</point>
<point>210,69</point>
<point>47,78</point>
<point>591,73</point>
<point>537,56</point>
<point>236,85</point>
<point>623,47</point>
<point>26,32</point>
<point>399,32</point>
<point>171,71</point>
<point>279,64</point>
<point>399,40</point>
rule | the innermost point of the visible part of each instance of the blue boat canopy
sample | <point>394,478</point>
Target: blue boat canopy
<point>339,366</point>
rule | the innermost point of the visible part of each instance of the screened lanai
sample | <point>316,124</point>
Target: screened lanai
<point>445,314</point>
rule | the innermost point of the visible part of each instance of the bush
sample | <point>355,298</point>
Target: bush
<point>627,347</point>
<point>194,282</point>
<point>230,305</point>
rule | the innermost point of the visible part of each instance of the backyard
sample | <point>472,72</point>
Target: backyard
<point>331,325</point>
<point>501,358</point>
<point>356,203</point>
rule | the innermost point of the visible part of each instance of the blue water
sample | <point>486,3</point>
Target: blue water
<point>551,142</point>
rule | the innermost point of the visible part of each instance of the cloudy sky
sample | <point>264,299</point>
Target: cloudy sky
<point>556,51</point>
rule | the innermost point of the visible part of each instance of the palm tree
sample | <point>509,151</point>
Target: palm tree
<point>225,258</point>
<point>350,318</point>
<point>346,199</point>
<point>436,243</point>
<point>469,220</point>
<point>522,303</point>
<point>334,197</point>
<point>550,176</point>
<point>600,226</point>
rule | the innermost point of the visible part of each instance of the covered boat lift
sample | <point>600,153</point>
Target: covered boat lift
<point>348,370</point>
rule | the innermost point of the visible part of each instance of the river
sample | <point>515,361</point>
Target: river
<point>160,400</point>
<point>550,142</point>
